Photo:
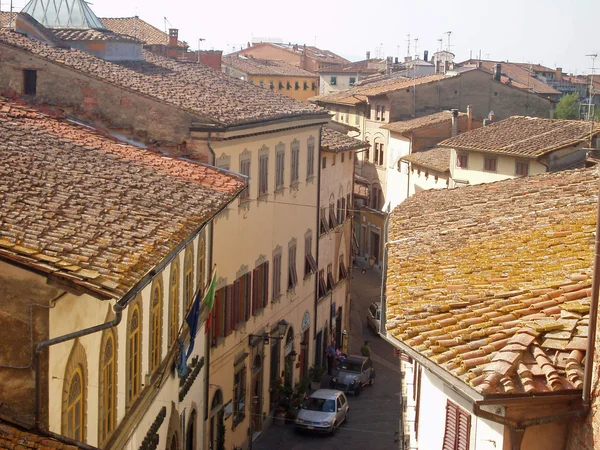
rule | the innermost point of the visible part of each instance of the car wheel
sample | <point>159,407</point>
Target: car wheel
<point>371,381</point>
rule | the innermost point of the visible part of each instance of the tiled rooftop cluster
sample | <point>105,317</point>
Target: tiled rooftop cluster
<point>403,126</point>
<point>524,136</point>
<point>325,55</point>
<point>437,158</point>
<point>91,210</point>
<point>256,66</point>
<point>336,141</point>
<point>14,438</point>
<point>378,88</point>
<point>188,85</point>
<point>365,66</point>
<point>74,34</point>
<point>492,282</point>
<point>138,28</point>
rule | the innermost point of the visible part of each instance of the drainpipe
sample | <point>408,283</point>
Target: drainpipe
<point>118,309</point>
<point>207,342</point>
<point>318,234</point>
<point>589,354</point>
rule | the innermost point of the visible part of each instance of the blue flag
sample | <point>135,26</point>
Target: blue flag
<point>182,367</point>
<point>192,321</point>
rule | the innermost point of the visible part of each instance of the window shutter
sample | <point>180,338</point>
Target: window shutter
<point>265,299</point>
<point>248,299</point>
<point>255,292</point>
<point>464,428</point>
<point>450,428</point>
<point>458,427</point>
<point>228,310</point>
<point>236,303</point>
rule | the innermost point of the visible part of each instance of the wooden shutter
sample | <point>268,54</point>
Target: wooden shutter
<point>248,296</point>
<point>228,310</point>
<point>458,427</point>
<point>236,303</point>
<point>255,291</point>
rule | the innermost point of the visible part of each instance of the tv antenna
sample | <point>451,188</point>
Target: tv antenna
<point>408,45</point>
<point>448,46</point>
<point>440,40</point>
<point>167,22</point>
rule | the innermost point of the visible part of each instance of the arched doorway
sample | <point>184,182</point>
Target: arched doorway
<point>217,426</point>
<point>256,399</point>
<point>190,437</point>
<point>289,355</point>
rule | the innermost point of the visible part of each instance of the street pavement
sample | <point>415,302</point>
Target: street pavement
<point>375,413</point>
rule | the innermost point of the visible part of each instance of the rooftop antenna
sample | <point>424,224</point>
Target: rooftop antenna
<point>448,33</point>
<point>408,45</point>
<point>167,22</point>
<point>199,41</point>
<point>440,40</point>
<point>590,114</point>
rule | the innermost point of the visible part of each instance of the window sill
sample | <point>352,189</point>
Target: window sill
<point>295,186</point>
<point>280,190</point>
<point>307,275</point>
<point>244,203</point>
<point>263,198</point>
<point>310,179</point>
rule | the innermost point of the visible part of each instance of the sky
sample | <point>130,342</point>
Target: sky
<point>555,33</point>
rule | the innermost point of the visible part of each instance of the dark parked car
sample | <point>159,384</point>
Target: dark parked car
<point>355,372</point>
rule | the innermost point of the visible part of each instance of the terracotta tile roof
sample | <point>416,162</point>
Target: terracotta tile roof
<point>187,85</point>
<point>256,66</point>
<point>93,211</point>
<point>403,126</point>
<point>535,67</point>
<point>140,29</point>
<point>365,66</point>
<point>347,96</point>
<point>492,282</point>
<point>73,34</point>
<point>519,75</point>
<point>324,56</point>
<point>5,18</point>
<point>436,158</point>
<point>12,437</point>
<point>335,141</point>
<point>523,136</point>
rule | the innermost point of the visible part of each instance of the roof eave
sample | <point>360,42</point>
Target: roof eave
<point>321,116</point>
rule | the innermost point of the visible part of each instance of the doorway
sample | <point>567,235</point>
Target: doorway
<point>217,426</point>
<point>375,244</point>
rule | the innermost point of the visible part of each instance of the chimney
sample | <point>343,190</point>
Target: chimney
<point>172,48</point>
<point>559,73</point>
<point>497,71</point>
<point>368,55</point>
<point>491,116</point>
<point>295,47</point>
<point>454,122</point>
<point>469,117</point>
<point>425,55</point>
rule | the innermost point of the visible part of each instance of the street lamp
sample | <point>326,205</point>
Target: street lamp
<point>281,329</point>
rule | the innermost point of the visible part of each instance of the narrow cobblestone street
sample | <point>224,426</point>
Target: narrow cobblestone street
<point>375,414</point>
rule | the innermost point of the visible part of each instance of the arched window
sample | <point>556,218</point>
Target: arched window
<point>75,406</point>
<point>188,278</point>
<point>201,261</point>
<point>134,366</point>
<point>174,302</point>
<point>156,327</point>
<point>108,386</point>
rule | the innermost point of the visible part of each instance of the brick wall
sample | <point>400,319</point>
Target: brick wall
<point>475,88</point>
<point>99,103</point>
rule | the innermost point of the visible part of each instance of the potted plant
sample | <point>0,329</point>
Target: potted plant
<point>315,374</point>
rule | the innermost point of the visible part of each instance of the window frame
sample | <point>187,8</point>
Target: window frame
<point>295,163</point>
<point>310,265</point>
<point>280,169</point>
<point>29,81</point>
<point>75,431</point>
<point>292,271</point>
<point>457,428</point>
<point>108,387</point>
<point>521,163</point>
<point>489,159</point>
<point>462,160</point>
<point>174,303</point>
<point>310,158</point>
<point>277,257</point>
<point>333,80</point>
<point>134,357</point>
<point>156,315</point>
<point>239,395</point>
<point>245,167</point>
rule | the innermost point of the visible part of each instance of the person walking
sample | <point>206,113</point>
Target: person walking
<point>365,350</point>
<point>330,357</point>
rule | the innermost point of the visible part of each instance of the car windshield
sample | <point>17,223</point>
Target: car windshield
<point>350,366</point>
<point>320,404</point>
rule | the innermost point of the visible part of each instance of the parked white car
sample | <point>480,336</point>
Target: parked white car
<point>324,411</point>
<point>374,316</point>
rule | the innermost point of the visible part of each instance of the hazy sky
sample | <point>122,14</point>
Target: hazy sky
<point>552,32</point>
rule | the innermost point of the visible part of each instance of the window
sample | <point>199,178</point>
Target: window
<point>310,265</point>
<point>348,204</point>
<point>134,382</point>
<point>382,112</point>
<point>292,272</point>
<point>522,168</point>
<point>334,157</point>
<point>263,175</point>
<point>378,114</point>
<point>260,287</point>
<point>245,170</point>
<point>271,85</point>
<point>281,85</point>
<point>313,85</point>
<point>376,197</point>
<point>343,272</point>
<point>276,275</point>
<point>381,160</point>
<point>296,85</point>
<point>295,163</point>
<point>239,395</point>
<point>339,212</point>
<point>462,160</point>
<point>332,218</point>
<point>226,311</point>
<point>74,411</point>
<point>352,81</point>
<point>188,279</point>
<point>333,81</point>
<point>242,307</point>
<point>201,261</point>
<point>261,83</point>
<point>310,159</point>
<point>174,303</point>
<point>288,85</point>
<point>489,164</point>
<point>280,170</point>
<point>376,153</point>
<point>324,222</point>
<point>156,328</point>
<point>108,383</point>
<point>458,428</point>
<point>356,118</point>
<point>306,86</point>
<point>330,280</point>
<point>322,285</point>
<point>217,325</point>
<point>367,154</point>
<point>343,157</point>
<point>29,82</point>
<point>324,162</point>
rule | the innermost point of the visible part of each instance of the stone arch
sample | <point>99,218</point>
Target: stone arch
<point>173,429</point>
<point>76,364</point>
